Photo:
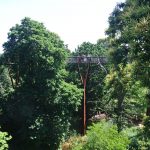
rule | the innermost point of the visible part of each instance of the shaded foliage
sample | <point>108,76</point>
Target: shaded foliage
<point>38,112</point>
<point>128,34</point>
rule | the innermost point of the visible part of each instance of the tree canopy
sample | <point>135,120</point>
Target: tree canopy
<point>41,105</point>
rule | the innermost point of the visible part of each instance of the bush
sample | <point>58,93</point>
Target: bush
<point>74,143</point>
<point>101,136</point>
<point>104,136</point>
<point>3,140</point>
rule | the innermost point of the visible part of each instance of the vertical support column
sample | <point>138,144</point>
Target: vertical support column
<point>83,77</point>
<point>84,107</point>
<point>86,61</point>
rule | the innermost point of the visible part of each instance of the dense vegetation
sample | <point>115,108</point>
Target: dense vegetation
<point>37,109</point>
<point>99,137</point>
<point>41,95</point>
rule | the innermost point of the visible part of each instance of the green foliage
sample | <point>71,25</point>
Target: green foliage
<point>105,136</point>
<point>102,136</point>
<point>147,127</point>
<point>4,138</point>
<point>74,143</point>
<point>5,82</point>
<point>123,93</point>
<point>127,84</point>
<point>39,111</point>
<point>129,35</point>
<point>32,48</point>
<point>138,138</point>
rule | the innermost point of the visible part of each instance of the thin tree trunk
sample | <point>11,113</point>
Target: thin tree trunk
<point>12,83</point>
<point>148,105</point>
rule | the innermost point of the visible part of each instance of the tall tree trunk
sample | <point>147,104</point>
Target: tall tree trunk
<point>148,105</point>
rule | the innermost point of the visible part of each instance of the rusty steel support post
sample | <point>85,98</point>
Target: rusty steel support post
<point>84,75</point>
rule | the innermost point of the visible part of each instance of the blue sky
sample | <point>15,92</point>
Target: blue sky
<point>75,21</point>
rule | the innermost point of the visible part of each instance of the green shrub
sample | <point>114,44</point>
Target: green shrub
<point>74,143</point>
<point>4,137</point>
<point>102,136</point>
